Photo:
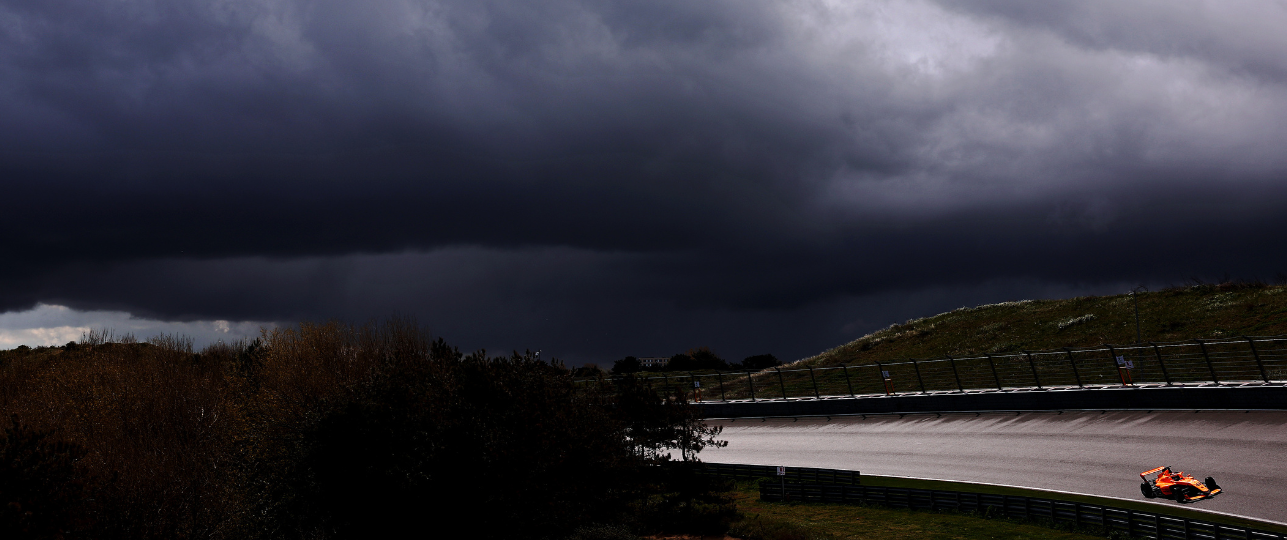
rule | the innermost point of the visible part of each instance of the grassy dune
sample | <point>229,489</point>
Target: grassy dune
<point>1222,312</point>
<point>1181,313</point>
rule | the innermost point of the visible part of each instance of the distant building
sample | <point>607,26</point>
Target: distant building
<point>649,363</point>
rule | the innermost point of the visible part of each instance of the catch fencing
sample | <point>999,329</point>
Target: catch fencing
<point>1238,361</point>
<point>803,484</point>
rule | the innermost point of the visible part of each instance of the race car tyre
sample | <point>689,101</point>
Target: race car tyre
<point>1211,483</point>
<point>1147,490</point>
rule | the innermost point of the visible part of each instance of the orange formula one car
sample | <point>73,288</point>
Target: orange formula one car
<point>1177,485</point>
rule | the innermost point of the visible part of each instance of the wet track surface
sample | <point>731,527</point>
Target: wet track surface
<point>1091,453</point>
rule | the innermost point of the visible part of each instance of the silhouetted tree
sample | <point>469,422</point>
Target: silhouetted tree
<point>760,361</point>
<point>695,359</point>
<point>628,364</point>
<point>588,370</point>
<point>444,435</point>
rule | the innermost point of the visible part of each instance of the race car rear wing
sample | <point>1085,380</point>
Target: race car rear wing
<point>1151,471</point>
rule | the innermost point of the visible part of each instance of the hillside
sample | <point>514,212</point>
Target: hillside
<point>1180,313</point>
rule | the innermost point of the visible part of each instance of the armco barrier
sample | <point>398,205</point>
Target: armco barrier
<point>1134,523</point>
<point>739,471</point>
<point>1138,398</point>
<point>1259,360</point>
<point>804,484</point>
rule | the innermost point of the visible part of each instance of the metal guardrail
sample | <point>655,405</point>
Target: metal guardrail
<point>1134,523</point>
<point>1237,361</point>
<point>804,484</point>
<point>738,471</point>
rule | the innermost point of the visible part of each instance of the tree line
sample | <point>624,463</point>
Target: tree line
<point>698,359</point>
<point>338,431</point>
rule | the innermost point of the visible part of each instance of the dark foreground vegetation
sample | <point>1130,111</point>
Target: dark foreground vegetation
<point>336,431</point>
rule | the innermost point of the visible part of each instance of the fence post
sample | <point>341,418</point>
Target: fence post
<point>1073,363</point>
<point>848,383</point>
<point>1033,365</point>
<point>720,374</point>
<point>1158,353</point>
<point>816,395</point>
<point>1210,366</point>
<point>956,374</point>
<point>666,377</point>
<point>993,365</point>
<point>918,376</point>
<point>781,383</point>
<point>750,382</point>
<point>1256,353</point>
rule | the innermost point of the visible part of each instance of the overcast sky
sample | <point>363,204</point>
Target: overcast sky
<point>598,179</point>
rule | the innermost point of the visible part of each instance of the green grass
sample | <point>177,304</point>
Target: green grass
<point>1197,312</point>
<point>1164,507</point>
<point>1005,330</point>
<point>808,521</point>
<point>803,521</point>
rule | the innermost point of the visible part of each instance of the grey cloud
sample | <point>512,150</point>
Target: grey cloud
<point>577,305</point>
<point>492,163</point>
<point>1237,37</point>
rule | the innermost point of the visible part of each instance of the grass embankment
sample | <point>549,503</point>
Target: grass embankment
<point>775,521</point>
<point>801,521</point>
<point>1162,507</point>
<point>1175,314</point>
<point>1003,330</point>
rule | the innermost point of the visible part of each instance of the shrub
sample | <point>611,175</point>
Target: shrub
<point>41,491</point>
<point>762,361</point>
<point>438,434</point>
<point>625,365</point>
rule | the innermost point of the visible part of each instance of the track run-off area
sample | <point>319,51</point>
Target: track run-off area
<point>1097,453</point>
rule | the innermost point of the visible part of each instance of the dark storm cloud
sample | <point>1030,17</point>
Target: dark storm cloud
<point>631,171</point>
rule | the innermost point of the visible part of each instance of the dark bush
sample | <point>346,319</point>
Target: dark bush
<point>761,361</point>
<point>602,532</point>
<point>41,492</point>
<point>696,359</point>
<point>689,503</point>
<point>588,370</point>
<point>625,365</point>
<point>443,435</point>
<point>324,431</point>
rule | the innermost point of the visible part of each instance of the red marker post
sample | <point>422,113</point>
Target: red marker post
<point>1124,368</point>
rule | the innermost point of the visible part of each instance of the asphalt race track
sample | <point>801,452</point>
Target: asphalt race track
<point>1091,453</point>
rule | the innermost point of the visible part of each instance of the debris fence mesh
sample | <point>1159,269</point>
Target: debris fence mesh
<point>1258,360</point>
